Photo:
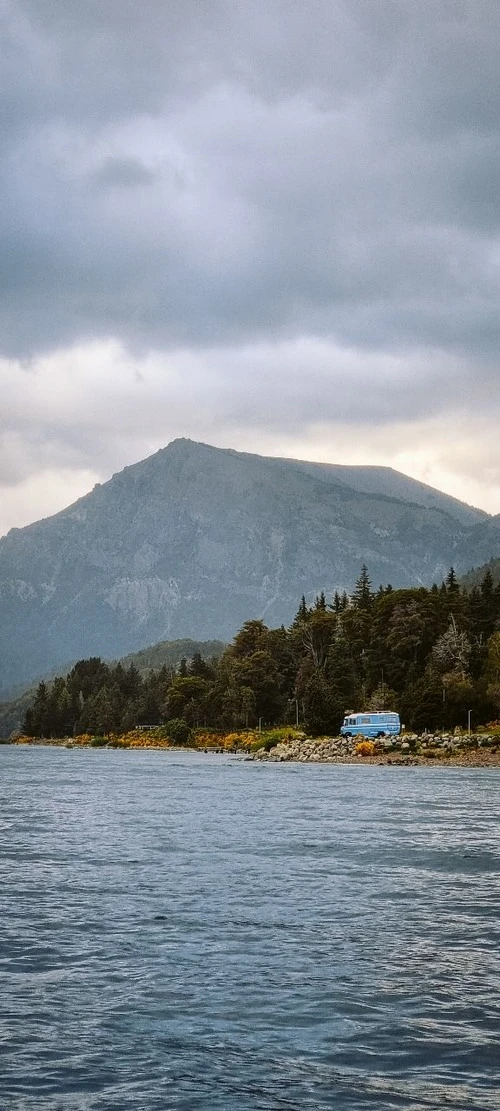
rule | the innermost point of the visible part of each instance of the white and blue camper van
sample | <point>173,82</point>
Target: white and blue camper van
<point>379,724</point>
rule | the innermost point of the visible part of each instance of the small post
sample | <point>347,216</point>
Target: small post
<point>260,725</point>
<point>297,712</point>
<point>468,721</point>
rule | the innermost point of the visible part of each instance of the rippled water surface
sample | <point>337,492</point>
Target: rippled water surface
<point>189,931</point>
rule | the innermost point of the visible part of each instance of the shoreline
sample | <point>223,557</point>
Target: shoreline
<point>462,750</point>
<point>303,752</point>
<point>472,760</point>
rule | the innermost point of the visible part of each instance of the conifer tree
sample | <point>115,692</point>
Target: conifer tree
<point>36,718</point>
<point>451,582</point>
<point>198,666</point>
<point>362,597</point>
<point>302,612</point>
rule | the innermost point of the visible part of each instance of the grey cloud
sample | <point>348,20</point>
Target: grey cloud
<point>122,173</point>
<point>204,175</point>
<point>451,74</point>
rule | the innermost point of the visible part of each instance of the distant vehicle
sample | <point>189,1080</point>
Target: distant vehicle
<point>380,724</point>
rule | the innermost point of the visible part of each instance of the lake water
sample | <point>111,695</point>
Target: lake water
<point>190,931</point>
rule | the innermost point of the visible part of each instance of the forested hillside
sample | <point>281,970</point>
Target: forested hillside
<point>172,652</point>
<point>433,654</point>
<point>476,576</point>
<point>169,652</point>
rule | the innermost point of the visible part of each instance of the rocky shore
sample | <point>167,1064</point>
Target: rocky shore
<point>481,749</point>
<point>460,749</point>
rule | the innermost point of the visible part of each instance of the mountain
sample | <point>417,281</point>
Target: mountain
<point>195,540</point>
<point>384,480</point>
<point>476,575</point>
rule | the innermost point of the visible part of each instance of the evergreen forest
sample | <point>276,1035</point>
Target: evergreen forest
<point>433,654</point>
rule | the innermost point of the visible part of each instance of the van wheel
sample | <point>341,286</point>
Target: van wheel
<point>380,734</point>
<point>347,734</point>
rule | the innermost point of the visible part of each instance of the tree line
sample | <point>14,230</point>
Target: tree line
<point>433,654</point>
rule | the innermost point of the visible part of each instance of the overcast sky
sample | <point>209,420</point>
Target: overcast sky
<point>271,225</point>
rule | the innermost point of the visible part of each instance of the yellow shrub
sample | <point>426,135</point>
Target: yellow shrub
<point>238,740</point>
<point>205,739</point>
<point>365,748</point>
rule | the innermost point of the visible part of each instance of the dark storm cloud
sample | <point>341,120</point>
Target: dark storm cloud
<point>186,174</point>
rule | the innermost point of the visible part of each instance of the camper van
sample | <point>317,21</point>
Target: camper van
<point>380,724</point>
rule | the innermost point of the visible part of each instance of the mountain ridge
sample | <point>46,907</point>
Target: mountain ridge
<point>193,540</point>
<point>352,477</point>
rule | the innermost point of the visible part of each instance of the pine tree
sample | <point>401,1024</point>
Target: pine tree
<point>484,606</point>
<point>302,612</point>
<point>362,597</point>
<point>131,683</point>
<point>451,582</point>
<point>198,666</point>
<point>36,721</point>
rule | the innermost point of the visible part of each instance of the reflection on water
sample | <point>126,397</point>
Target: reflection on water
<point>188,931</point>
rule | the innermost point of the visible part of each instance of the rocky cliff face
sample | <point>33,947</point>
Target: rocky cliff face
<point>195,540</point>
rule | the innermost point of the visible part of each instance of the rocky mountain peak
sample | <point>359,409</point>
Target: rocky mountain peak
<point>195,540</point>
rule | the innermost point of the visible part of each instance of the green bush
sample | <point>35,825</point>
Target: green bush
<point>98,742</point>
<point>272,737</point>
<point>263,742</point>
<point>178,731</point>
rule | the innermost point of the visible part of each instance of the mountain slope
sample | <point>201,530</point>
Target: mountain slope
<point>384,480</point>
<point>475,576</point>
<point>194,540</point>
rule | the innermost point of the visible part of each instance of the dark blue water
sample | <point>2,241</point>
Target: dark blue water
<point>189,931</point>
